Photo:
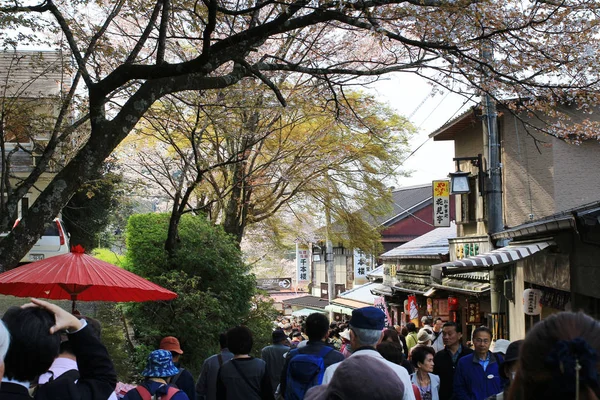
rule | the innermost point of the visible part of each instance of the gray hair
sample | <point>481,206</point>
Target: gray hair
<point>367,337</point>
<point>4,341</point>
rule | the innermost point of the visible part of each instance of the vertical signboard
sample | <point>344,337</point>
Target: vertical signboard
<point>302,264</point>
<point>441,203</point>
<point>362,266</point>
<point>380,303</point>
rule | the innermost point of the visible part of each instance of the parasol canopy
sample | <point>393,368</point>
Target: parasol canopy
<point>78,276</point>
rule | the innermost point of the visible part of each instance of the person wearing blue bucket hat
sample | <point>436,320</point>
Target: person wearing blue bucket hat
<point>366,331</point>
<point>158,373</point>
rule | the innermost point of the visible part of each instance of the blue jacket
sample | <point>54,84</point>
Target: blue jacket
<point>471,382</point>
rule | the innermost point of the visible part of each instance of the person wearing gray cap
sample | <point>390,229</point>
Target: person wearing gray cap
<point>360,377</point>
<point>366,331</point>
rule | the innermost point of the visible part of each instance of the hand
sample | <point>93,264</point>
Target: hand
<point>63,319</point>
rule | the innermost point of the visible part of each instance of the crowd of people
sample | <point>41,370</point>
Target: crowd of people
<point>48,353</point>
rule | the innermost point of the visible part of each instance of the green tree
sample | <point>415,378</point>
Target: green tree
<point>215,289</point>
<point>88,212</point>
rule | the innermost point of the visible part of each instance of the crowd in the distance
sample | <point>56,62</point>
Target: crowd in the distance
<point>48,353</point>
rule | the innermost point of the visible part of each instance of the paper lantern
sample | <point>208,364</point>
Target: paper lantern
<point>532,301</point>
<point>452,303</point>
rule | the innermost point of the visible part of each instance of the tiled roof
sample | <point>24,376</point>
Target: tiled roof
<point>405,202</point>
<point>307,301</point>
<point>360,293</point>
<point>429,245</point>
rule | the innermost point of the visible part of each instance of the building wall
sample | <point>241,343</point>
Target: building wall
<point>413,226</point>
<point>469,143</point>
<point>543,175</point>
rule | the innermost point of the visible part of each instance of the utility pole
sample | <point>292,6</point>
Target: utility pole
<point>330,270</point>
<point>493,190</point>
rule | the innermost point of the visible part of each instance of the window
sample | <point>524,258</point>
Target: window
<point>468,203</point>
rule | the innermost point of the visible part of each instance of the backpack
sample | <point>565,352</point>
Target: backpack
<point>304,371</point>
<point>145,394</point>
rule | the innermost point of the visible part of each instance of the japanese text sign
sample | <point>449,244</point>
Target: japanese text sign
<point>441,203</point>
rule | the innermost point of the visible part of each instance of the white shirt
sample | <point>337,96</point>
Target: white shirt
<point>438,344</point>
<point>398,369</point>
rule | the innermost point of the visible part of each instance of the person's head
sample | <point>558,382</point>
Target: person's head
<point>410,327</point>
<point>438,325</point>
<point>500,346</point>
<point>239,340</point>
<point>360,377</point>
<point>297,336</point>
<point>279,337</point>
<point>422,358</point>
<point>160,365</point>
<point>4,345</point>
<point>451,334</point>
<point>424,336</point>
<point>482,339</point>
<point>393,352</point>
<point>223,340</point>
<point>66,349</point>
<point>509,366</point>
<point>366,327</point>
<point>317,327</point>
<point>390,335</point>
<point>550,355</point>
<point>426,320</point>
<point>32,348</point>
<point>171,343</point>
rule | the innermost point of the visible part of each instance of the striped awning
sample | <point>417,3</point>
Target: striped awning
<point>504,255</point>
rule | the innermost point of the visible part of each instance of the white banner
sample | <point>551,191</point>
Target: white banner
<point>362,264</point>
<point>302,264</point>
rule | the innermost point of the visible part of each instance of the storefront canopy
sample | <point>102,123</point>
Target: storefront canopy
<point>305,312</point>
<point>339,309</point>
<point>495,258</point>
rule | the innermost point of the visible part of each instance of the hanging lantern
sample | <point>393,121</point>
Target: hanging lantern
<point>429,306</point>
<point>406,309</point>
<point>452,303</point>
<point>532,301</point>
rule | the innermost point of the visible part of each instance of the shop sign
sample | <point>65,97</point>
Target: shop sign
<point>302,264</point>
<point>532,301</point>
<point>273,284</point>
<point>362,264</point>
<point>464,250</point>
<point>473,315</point>
<point>441,203</point>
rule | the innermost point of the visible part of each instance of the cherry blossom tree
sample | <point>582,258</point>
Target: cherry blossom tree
<point>130,53</point>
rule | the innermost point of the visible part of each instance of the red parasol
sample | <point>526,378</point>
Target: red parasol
<point>78,276</point>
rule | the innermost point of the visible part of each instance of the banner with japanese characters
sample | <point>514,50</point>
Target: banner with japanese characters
<point>302,264</point>
<point>380,303</point>
<point>441,203</point>
<point>413,309</point>
<point>362,266</point>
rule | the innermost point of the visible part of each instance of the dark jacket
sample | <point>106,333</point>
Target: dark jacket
<point>471,382</point>
<point>185,382</point>
<point>97,374</point>
<point>445,368</point>
<point>273,355</point>
<point>244,379</point>
<point>155,388</point>
<point>312,347</point>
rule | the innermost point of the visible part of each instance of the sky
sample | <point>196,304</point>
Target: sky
<point>412,96</point>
